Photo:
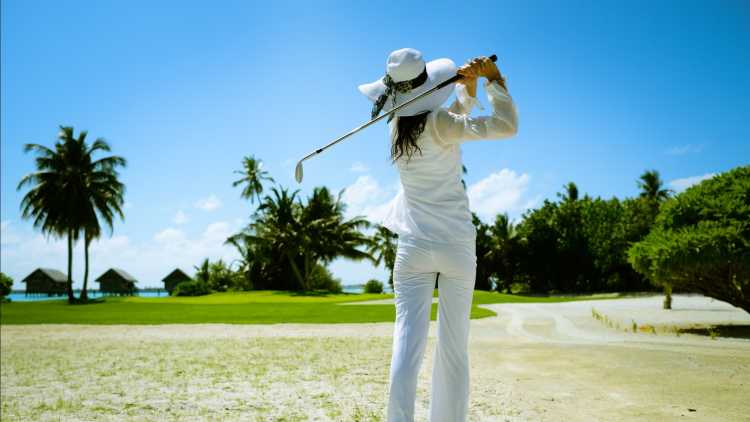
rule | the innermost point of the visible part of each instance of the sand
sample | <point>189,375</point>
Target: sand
<point>533,362</point>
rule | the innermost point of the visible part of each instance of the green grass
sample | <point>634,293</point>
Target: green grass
<point>259,307</point>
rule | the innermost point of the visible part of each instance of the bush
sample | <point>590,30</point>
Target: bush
<point>6,283</point>
<point>322,279</point>
<point>701,240</point>
<point>191,288</point>
<point>373,286</point>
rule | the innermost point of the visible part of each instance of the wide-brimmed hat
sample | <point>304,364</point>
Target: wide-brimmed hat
<point>407,75</point>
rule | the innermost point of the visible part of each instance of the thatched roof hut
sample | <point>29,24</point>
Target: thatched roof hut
<point>46,281</point>
<point>117,281</point>
<point>174,278</point>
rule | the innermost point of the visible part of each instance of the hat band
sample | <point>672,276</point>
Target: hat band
<point>391,87</point>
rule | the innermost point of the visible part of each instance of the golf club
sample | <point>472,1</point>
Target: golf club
<point>298,169</point>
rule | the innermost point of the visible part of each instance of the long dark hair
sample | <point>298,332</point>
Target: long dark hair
<point>408,129</point>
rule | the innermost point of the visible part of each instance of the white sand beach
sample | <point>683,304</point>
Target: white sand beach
<point>533,362</point>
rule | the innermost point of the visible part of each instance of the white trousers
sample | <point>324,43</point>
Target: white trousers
<point>417,263</point>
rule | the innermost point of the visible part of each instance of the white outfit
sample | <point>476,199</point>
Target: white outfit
<point>436,235</point>
<point>433,203</point>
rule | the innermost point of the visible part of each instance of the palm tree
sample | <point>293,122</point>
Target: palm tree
<point>571,192</point>
<point>47,202</point>
<point>253,176</point>
<point>292,239</point>
<point>203,271</point>
<point>102,193</point>
<point>70,189</point>
<point>504,251</point>
<point>651,190</point>
<point>651,186</point>
<point>383,249</point>
<point>277,229</point>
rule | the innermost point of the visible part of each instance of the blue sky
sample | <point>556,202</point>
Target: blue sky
<point>183,90</point>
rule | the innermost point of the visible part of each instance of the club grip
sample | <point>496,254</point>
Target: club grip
<point>458,77</point>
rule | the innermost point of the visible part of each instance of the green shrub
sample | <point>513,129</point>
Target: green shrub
<point>701,240</point>
<point>191,288</point>
<point>373,286</point>
<point>6,283</point>
<point>322,279</point>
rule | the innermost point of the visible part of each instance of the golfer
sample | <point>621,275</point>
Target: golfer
<point>431,216</point>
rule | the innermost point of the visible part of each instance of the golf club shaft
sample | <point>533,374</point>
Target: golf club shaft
<point>377,119</point>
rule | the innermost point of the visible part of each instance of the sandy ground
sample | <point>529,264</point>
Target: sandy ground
<point>533,362</point>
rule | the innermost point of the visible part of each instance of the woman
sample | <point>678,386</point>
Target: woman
<point>431,216</point>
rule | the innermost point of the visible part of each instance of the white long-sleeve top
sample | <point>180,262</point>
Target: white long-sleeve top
<point>432,203</point>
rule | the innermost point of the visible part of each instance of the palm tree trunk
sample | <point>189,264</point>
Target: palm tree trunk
<point>84,295</point>
<point>667,296</point>
<point>296,271</point>
<point>307,271</point>
<point>71,298</point>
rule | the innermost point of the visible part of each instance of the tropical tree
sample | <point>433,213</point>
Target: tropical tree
<point>328,233</point>
<point>651,190</point>
<point>383,249</point>
<point>571,192</point>
<point>203,271</point>
<point>46,202</point>
<point>6,285</point>
<point>505,252</point>
<point>253,177</point>
<point>651,186</point>
<point>70,190</point>
<point>102,193</point>
<point>485,247</point>
<point>293,239</point>
<point>57,200</point>
<point>701,240</point>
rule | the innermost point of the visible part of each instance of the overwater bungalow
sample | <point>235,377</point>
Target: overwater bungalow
<point>116,281</point>
<point>174,278</point>
<point>46,281</point>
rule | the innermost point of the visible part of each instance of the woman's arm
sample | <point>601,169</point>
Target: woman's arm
<point>452,128</point>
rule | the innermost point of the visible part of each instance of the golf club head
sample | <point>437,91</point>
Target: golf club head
<point>298,172</point>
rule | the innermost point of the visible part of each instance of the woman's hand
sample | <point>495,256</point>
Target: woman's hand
<point>470,73</point>
<point>479,67</point>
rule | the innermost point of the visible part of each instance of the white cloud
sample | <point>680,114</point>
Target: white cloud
<point>504,191</point>
<point>365,197</point>
<point>180,218</point>
<point>170,237</point>
<point>359,167</point>
<point>681,184</point>
<point>685,149</point>
<point>7,235</point>
<point>209,203</point>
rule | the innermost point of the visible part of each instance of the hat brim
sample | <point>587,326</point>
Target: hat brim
<point>437,71</point>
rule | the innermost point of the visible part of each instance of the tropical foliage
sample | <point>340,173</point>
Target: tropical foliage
<point>289,242</point>
<point>253,177</point>
<point>6,284</point>
<point>71,191</point>
<point>575,244</point>
<point>373,286</point>
<point>383,249</point>
<point>701,240</point>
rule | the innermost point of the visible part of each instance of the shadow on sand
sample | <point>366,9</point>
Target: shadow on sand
<point>730,330</point>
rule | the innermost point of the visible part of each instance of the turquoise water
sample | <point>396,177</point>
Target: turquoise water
<point>21,297</point>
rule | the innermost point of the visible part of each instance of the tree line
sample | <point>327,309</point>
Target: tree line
<point>572,244</point>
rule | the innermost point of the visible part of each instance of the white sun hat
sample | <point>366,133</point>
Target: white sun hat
<point>407,75</point>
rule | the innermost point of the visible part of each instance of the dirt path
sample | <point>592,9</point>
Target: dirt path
<point>533,362</point>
